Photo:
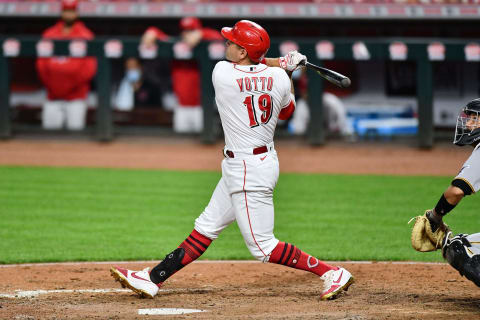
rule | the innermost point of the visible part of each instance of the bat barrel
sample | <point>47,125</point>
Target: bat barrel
<point>346,82</point>
<point>334,77</point>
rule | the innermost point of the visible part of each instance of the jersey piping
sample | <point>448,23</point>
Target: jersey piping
<point>235,67</point>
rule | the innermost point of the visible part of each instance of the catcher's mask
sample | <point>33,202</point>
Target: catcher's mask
<point>467,131</point>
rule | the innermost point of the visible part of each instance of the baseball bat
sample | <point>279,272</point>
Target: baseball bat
<point>330,75</point>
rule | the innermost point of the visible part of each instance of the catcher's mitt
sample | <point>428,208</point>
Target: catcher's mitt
<point>426,234</point>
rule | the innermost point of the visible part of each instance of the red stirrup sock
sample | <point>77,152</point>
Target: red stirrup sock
<point>190,249</point>
<point>194,246</point>
<point>290,256</point>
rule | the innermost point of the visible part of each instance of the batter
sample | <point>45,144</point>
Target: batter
<point>252,94</point>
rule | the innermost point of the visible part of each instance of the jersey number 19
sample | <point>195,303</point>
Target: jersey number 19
<point>264,103</point>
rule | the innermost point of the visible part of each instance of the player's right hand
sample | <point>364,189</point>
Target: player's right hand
<point>291,61</point>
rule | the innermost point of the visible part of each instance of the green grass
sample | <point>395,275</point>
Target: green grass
<point>78,214</point>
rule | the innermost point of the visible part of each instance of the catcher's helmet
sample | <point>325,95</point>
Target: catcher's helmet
<point>467,130</point>
<point>250,36</point>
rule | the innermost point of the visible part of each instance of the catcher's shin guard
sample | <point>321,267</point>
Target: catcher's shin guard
<point>171,264</point>
<point>459,253</point>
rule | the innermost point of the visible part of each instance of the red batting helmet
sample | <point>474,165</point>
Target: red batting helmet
<point>190,23</point>
<point>250,36</point>
<point>69,4</point>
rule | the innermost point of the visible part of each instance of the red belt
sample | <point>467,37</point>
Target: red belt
<point>258,150</point>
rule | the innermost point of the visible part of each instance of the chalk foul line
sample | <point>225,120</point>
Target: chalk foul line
<point>36,293</point>
<point>167,311</point>
<point>80,263</point>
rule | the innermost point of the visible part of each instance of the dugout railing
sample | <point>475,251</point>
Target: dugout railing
<point>417,50</point>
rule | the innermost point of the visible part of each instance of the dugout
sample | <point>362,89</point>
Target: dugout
<point>429,83</point>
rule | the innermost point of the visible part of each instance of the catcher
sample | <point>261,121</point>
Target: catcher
<point>429,232</point>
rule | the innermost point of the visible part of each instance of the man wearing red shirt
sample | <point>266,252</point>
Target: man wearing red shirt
<point>66,79</point>
<point>188,114</point>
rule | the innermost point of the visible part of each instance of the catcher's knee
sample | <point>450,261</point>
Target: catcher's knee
<point>472,270</point>
<point>456,251</point>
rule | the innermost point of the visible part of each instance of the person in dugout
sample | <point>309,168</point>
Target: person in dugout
<point>188,113</point>
<point>67,79</point>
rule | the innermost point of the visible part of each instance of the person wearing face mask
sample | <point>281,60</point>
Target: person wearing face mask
<point>185,72</point>
<point>67,79</point>
<point>130,84</point>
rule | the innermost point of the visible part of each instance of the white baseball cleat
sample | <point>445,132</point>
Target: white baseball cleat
<point>137,281</point>
<point>335,281</point>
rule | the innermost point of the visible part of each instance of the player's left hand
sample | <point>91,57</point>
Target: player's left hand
<point>290,62</point>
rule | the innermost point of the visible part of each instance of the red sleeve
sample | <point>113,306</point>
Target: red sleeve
<point>263,61</point>
<point>286,112</point>
<point>42,64</point>
<point>42,70</point>
<point>88,70</point>
<point>87,34</point>
<point>162,36</point>
<point>52,32</point>
<point>211,34</point>
<point>81,31</point>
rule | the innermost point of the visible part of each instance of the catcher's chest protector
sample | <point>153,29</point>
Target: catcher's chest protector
<point>463,253</point>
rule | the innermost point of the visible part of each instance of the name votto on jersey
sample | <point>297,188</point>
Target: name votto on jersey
<point>255,83</point>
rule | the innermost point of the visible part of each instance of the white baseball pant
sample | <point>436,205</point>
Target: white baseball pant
<point>245,194</point>
<point>57,113</point>
<point>188,119</point>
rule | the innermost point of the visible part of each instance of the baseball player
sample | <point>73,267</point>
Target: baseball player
<point>66,79</point>
<point>188,113</point>
<point>430,233</point>
<point>251,97</point>
<point>467,181</point>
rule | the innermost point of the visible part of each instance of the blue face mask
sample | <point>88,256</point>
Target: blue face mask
<point>133,75</point>
<point>297,74</point>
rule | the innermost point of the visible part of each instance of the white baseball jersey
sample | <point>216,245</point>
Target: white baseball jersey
<point>249,99</point>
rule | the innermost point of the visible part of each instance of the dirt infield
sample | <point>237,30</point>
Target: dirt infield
<point>185,154</point>
<point>237,290</point>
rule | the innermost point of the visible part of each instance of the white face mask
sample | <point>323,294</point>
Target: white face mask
<point>133,75</point>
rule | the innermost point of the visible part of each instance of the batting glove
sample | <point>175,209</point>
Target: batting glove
<point>291,60</point>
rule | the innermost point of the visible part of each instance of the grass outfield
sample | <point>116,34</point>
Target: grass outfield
<point>79,214</point>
